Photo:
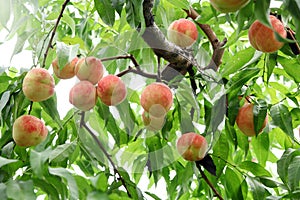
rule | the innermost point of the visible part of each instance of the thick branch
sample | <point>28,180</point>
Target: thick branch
<point>54,31</point>
<point>116,171</point>
<point>180,59</point>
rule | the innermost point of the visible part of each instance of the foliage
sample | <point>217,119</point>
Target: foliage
<point>107,153</point>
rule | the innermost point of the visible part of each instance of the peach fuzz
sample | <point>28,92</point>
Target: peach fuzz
<point>263,38</point>
<point>67,72</point>
<point>245,121</point>
<point>89,69</point>
<point>38,85</point>
<point>157,99</point>
<point>226,6</point>
<point>111,90</point>
<point>29,131</point>
<point>83,95</point>
<point>192,146</point>
<point>182,32</point>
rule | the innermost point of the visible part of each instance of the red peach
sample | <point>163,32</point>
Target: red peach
<point>83,95</point>
<point>111,90</point>
<point>192,146</point>
<point>182,32</point>
<point>89,69</point>
<point>226,6</point>
<point>38,85</point>
<point>29,131</point>
<point>68,71</point>
<point>245,121</point>
<point>263,38</point>
<point>157,99</point>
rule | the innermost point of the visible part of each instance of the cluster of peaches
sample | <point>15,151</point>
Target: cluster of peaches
<point>156,99</point>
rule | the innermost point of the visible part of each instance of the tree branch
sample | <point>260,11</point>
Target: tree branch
<point>116,171</point>
<point>180,59</point>
<point>218,46</point>
<point>54,31</point>
<point>208,182</point>
<point>137,71</point>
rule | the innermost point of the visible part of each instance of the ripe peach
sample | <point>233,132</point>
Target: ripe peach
<point>263,38</point>
<point>157,99</point>
<point>83,95</point>
<point>38,85</point>
<point>182,32</point>
<point>28,131</point>
<point>192,146</point>
<point>245,121</point>
<point>153,123</point>
<point>68,71</point>
<point>89,69</point>
<point>226,6</point>
<point>111,90</point>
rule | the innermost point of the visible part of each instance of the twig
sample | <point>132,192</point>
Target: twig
<point>54,31</point>
<point>209,183</point>
<point>116,171</point>
<point>137,71</point>
<point>129,56</point>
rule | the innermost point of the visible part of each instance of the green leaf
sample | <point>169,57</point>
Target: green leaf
<point>255,169</point>
<point>50,107</point>
<point>262,11</point>
<point>232,183</point>
<point>259,114</point>
<point>3,191</point>
<point>291,66</point>
<point>20,190</point>
<point>100,182</point>
<point>5,161</point>
<point>106,11</point>
<point>284,162</point>
<point>65,53</point>
<point>238,80</point>
<point>62,152</point>
<point>294,173</point>
<point>257,189</point>
<point>183,4</point>
<point>5,12</point>
<point>64,173</point>
<point>282,118</point>
<point>241,59</point>
<point>38,160</point>
<point>261,147</point>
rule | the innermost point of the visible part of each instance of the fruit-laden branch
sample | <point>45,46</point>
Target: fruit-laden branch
<point>116,171</point>
<point>218,46</point>
<point>54,31</point>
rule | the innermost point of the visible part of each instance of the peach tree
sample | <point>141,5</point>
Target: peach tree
<point>129,99</point>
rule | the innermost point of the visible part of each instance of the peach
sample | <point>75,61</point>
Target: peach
<point>89,69</point>
<point>28,131</point>
<point>245,120</point>
<point>262,38</point>
<point>226,6</point>
<point>38,85</point>
<point>192,146</point>
<point>157,99</point>
<point>153,123</point>
<point>111,90</point>
<point>182,32</point>
<point>83,95</point>
<point>68,71</point>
